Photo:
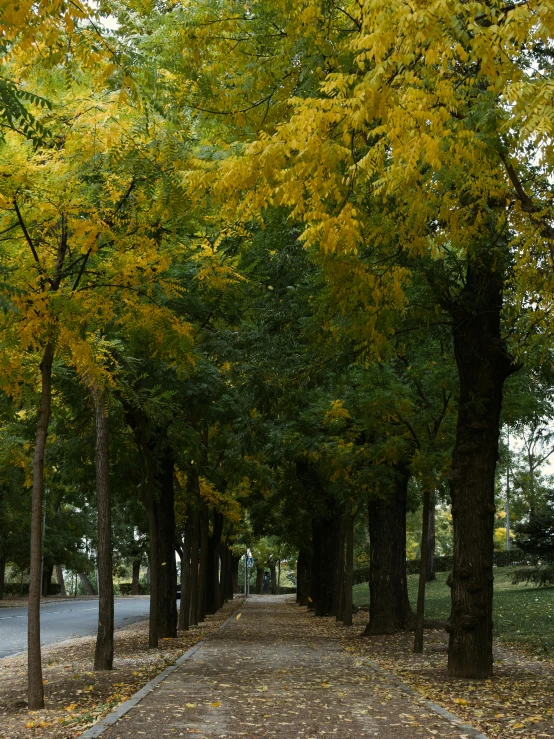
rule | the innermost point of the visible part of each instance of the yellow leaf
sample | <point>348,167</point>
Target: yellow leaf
<point>216,704</point>
<point>460,701</point>
<point>190,705</point>
<point>238,616</point>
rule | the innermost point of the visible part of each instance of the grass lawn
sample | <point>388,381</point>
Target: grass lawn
<point>522,614</point>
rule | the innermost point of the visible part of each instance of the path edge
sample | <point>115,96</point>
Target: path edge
<point>469,730</point>
<point>114,716</point>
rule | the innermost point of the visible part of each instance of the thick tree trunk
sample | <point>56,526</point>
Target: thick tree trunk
<point>260,570</point>
<point>88,587</point>
<point>167,578</point>
<point>35,690</point>
<point>47,572</point>
<point>483,366</point>
<point>2,575</point>
<point>304,576</point>
<point>420,615</point>
<point>430,575</point>
<point>389,607</point>
<point>273,574</point>
<point>135,582</point>
<point>202,568</point>
<point>61,582</point>
<point>348,572</point>
<point>326,536</point>
<point>103,655</point>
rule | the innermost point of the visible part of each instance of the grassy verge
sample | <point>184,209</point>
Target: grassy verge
<point>523,615</point>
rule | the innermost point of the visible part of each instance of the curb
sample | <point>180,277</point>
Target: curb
<point>113,717</point>
<point>466,728</point>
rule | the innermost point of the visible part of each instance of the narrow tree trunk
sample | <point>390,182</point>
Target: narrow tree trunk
<point>103,655</point>
<point>229,584</point>
<point>2,575</point>
<point>348,572</point>
<point>389,606</point>
<point>212,564</point>
<point>184,611</point>
<point>279,578</point>
<point>235,573</point>
<point>430,575</point>
<point>153,570</point>
<point>420,615</point>
<point>483,366</point>
<point>35,690</point>
<point>61,582</point>
<point>167,582</point>
<point>135,582</point>
<point>194,545</point>
<point>204,540</point>
<point>88,587</point>
<point>340,571</point>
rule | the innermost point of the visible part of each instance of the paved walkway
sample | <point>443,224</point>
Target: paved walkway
<point>270,674</point>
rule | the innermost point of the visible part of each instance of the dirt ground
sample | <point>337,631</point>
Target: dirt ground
<point>517,702</point>
<point>75,695</point>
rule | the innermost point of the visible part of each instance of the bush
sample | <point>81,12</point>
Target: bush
<point>541,576</point>
<point>444,564</point>
<point>17,589</point>
<point>125,588</point>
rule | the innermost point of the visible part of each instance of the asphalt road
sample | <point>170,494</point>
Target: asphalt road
<point>64,620</point>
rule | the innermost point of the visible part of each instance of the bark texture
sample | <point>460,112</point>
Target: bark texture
<point>348,572</point>
<point>88,587</point>
<point>389,607</point>
<point>483,366</point>
<point>103,654</point>
<point>430,575</point>
<point>167,572</point>
<point>35,690</point>
<point>60,579</point>
<point>135,580</point>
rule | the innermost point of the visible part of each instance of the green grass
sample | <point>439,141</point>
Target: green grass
<point>523,615</point>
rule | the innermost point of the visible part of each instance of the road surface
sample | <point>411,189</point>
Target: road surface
<point>63,620</point>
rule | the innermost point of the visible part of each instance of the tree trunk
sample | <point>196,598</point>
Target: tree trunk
<point>61,582</point>
<point>273,572</point>
<point>167,577</point>
<point>153,570</point>
<point>186,571</point>
<point>103,654</point>
<point>47,572</point>
<point>340,571</point>
<point>483,366</point>
<point>348,572</point>
<point>212,564</point>
<point>260,570</point>
<point>389,607</point>
<point>229,584</point>
<point>430,575</point>
<point>202,568</point>
<point>235,572</point>
<point>279,578</point>
<point>420,615</point>
<point>194,545</point>
<point>304,576</point>
<point>2,575</point>
<point>326,536</point>
<point>88,587</point>
<point>135,582</point>
<point>35,690</point>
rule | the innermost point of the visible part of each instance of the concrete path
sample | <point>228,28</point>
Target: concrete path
<point>272,674</point>
<point>63,620</point>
